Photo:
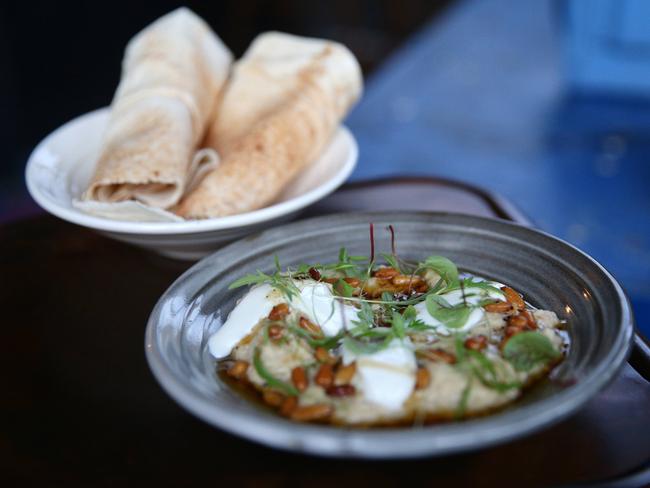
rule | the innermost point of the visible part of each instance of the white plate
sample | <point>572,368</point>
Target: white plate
<point>60,167</point>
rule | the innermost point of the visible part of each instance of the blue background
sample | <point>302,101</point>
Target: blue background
<point>490,94</point>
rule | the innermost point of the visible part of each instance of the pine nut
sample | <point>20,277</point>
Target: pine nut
<point>385,273</point>
<point>272,397</point>
<point>514,298</point>
<point>279,312</point>
<point>476,343</point>
<point>353,282</point>
<point>438,355</point>
<point>325,376</point>
<point>275,332</point>
<point>309,326</point>
<point>238,370</point>
<point>288,405</point>
<point>422,378</point>
<point>318,411</point>
<point>299,378</point>
<point>322,356</point>
<point>341,390</point>
<point>498,307</point>
<point>344,374</point>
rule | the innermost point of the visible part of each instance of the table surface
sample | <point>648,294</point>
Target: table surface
<point>80,407</point>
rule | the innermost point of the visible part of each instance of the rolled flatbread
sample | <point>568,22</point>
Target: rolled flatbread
<point>172,74</point>
<point>285,99</point>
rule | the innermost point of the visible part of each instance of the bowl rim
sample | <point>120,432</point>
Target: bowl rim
<point>269,213</point>
<point>396,443</point>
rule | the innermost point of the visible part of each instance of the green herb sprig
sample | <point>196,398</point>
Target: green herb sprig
<point>271,380</point>
<point>527,350</point>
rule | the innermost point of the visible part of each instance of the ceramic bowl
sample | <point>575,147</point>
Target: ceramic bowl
<point>551,274</point>
<point>60,167</point>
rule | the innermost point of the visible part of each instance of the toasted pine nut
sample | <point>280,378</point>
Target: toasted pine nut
<point>304,323</point>
<point>322,355</point>
<point>272,397</point>
<point>530,319</point>
<point>314,274</point>
<point>318,411</point>
<point>353,282</point>
<point>341,390</point>
<point>288,405</point>
<point>331,281</point>
<point>422,378</point>
<point>422,287</point>
<point>299,378</point>
<point>275,332</point>
<point>438,355</point>
<point>325,376</point>
<point>279,312</point>
<point>385,273</point>
<point>238,370</point>
<point>512,330</point>
<point>476,343</point>
<point>514,298</point>
<point>406,280</point>
<point>498,307</point>
<point>344,374</point>
<point>517,321</point>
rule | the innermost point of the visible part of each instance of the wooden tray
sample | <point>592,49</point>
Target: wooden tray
<point>79,406</point>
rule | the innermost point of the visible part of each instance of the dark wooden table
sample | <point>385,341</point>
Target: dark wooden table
<point>79,406</point>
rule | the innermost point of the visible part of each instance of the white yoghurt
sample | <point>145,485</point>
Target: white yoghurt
<point>386,377</point>
<point>316,301</point>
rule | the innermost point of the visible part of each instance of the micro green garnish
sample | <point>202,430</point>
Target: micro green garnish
<point>528,349</point>
<point>265,335</point>
<point>271,380</point>
<point>397,303</point>
<point>277,280</point>
<point>461,408</point>
<point>348,265</point>
<point>324,342</point>
<point>472,283</point>
<point>478,365</point>
<point>344,289</point>
<point>391,260</point>
<point>398,325</point>
<point>452,317</point>
<point>364,326</point>
<point>367,347</point>
<point>459,345</point>
<point>366,337</point>
<point>485,372</point>
<point>303,269</point>
<point>387,296</point>
<point>365,316</point>
<point>446,269</point>
<point>419,326</point>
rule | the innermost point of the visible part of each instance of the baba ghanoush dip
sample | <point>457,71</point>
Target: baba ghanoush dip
<point>357,343</point>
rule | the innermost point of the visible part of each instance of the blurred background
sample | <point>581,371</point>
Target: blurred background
<point>546,102</point>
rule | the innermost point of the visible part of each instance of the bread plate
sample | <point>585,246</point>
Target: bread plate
<point>60,167</point>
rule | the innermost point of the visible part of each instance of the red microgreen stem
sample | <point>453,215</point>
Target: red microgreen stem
<point>372,242</point>
<point>392,239</point>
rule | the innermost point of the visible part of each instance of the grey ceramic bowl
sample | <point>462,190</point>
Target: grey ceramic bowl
<point>551,274</point>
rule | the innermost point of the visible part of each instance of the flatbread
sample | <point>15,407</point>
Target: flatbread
<point>172,74</point>
<point>284,101</point>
